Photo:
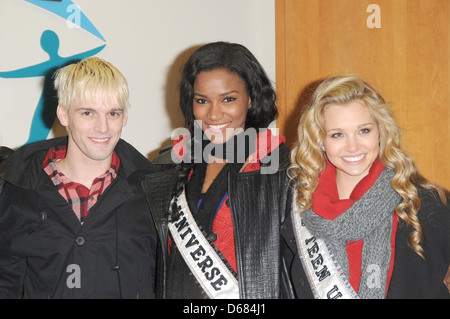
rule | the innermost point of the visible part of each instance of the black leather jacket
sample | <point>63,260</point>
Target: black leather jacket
<point>258,206</point>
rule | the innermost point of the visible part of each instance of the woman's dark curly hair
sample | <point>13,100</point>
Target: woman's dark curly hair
<point>237,59</point>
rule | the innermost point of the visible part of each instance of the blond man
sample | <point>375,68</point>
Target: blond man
<point>74,221</point>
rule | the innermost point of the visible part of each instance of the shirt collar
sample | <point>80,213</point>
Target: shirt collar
<point>57,153</point>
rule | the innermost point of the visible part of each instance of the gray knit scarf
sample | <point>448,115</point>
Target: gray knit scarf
<point>370,219</point>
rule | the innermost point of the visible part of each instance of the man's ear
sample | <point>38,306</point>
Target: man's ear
<point>62,115</point>
<point>125,118</point>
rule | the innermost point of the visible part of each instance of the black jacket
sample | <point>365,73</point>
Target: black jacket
<point>5,152</point>
<point>412,277</point>
<point>258,206</point>
<point>45,252</point>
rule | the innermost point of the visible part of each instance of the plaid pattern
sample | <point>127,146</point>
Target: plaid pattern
<point>79,197</point>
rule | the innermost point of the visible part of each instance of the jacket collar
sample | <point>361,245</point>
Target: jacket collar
<point>24,167</point>
<point>266,142</point>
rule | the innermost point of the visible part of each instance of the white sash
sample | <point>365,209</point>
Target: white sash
<point>208,268</point>
<point>323,272</point>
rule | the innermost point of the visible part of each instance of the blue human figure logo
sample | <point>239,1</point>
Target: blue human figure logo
<point>45,113</point>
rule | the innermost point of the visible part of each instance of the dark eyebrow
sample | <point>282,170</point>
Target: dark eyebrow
<point>227,93</point>
<point>222,94</point>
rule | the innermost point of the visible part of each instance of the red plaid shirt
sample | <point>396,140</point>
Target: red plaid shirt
<point>79,197</point>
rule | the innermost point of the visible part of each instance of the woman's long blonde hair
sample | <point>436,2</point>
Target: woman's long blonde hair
<point>309,161</point>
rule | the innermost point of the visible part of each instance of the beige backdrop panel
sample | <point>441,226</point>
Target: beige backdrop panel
<point>405,57</point>
<point>148,40</point>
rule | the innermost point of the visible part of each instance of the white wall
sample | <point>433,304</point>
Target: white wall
<point>148,40</point>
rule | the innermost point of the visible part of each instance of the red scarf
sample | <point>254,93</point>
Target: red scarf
<point>326,203</point>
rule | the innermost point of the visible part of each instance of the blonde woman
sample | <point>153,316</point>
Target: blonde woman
<point>365,223</point>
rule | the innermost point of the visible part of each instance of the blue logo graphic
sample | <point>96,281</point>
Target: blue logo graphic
<point>45,113</point>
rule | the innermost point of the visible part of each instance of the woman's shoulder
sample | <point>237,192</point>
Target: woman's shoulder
<point>164,156</point>
<point>279,159</point>
<point>430,199</point>
<point>432,209</point>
